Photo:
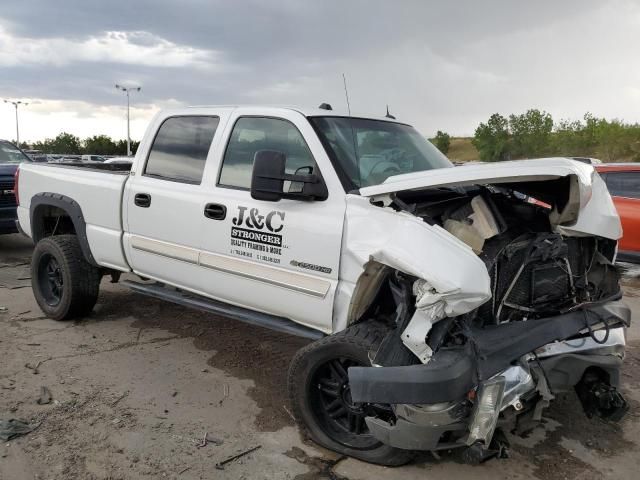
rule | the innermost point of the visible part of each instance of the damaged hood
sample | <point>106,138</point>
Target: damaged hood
<point>488,173</point>
<point>589,211</point>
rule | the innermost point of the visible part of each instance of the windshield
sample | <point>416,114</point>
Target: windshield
<point>367,152</point>
<point>10,154</point>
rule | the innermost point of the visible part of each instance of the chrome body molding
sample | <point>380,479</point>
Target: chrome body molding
<point>254,271</point>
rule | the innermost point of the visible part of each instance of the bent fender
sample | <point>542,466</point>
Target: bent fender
<point>406,243</point>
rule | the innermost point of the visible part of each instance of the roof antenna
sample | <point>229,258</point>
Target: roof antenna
<point>346,93</point>
<point>388,115</point>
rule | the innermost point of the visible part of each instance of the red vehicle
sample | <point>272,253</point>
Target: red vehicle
<point>623,181</point>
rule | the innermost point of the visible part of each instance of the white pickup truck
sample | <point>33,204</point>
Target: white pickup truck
<point>446,304</point>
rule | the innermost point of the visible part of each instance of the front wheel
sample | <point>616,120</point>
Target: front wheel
<point>321,398</point>
<point>64,284</point>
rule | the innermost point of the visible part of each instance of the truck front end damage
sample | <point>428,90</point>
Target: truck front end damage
<point>499,294</point>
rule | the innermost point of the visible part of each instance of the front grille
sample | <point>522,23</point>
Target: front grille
<point>7,199</point>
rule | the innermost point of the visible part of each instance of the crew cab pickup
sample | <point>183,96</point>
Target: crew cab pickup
<point>445,303</point>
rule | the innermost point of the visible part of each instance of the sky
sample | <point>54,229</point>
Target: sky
<point>438,65</point>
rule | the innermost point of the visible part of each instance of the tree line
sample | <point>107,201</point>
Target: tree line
<point>534,134</point>
<point>66,143</point>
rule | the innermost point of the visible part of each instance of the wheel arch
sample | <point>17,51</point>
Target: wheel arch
<point>45,205</point>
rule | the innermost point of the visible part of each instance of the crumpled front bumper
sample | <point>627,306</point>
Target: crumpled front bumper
<point>456,398</point>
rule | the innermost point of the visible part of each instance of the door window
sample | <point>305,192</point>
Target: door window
<point>180,148</point>
<point>624,184</point>
<point>251,134</point>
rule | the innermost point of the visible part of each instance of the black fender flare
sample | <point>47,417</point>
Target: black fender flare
<point>71,207</point>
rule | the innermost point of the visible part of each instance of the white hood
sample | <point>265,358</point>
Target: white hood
<point>596,216</point>
<point>485,173</point>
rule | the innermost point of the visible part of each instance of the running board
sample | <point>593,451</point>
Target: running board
<point>272,322</point>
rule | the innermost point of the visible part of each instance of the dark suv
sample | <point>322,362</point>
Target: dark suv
<point>10,157</point>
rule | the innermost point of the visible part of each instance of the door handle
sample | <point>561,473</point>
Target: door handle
<point>142,200</point>
<point>215,211</point>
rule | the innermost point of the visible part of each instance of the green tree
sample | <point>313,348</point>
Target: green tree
<point>613,139</point>
<point>492,139</point>
<point>64,143</point>
<point>442,141</point>
<point>100,145</point>
<point>531,133</point>
<point>121,146</point>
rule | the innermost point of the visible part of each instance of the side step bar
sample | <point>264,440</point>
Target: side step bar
<point>199,302</point>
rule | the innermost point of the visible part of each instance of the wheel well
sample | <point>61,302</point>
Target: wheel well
<point>55,214</point>
<point>49,220</point>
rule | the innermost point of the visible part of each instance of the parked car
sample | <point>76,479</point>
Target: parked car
<point>10,157</point>
<point>623,182</point>
<point>121,160</point>
<point>93,158</point>
<point>443,306</point>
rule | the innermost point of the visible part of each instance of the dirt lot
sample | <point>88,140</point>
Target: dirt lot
<point>137,385</point>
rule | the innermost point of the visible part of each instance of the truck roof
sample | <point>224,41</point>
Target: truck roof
<point>306,111</point>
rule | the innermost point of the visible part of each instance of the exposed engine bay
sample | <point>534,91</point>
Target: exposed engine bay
<point>534,272</point>
<point>554,323</point>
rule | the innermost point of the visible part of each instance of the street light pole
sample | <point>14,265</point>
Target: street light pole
<point>127,90</point>
<point>15,104</point>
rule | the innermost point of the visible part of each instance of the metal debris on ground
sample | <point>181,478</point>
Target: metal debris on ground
<point>209,439</point>
<point>225,394</point>
<point>220,465</point>
<point>45,396</point>
<point>115,402</point>
<point>13,428</point>
<point>34,368</point>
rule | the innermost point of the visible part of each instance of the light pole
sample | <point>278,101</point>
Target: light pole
<point>127,90</point>
<point>15,104</point>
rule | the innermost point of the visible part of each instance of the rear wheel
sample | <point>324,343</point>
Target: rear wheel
<point>64,284</point>
<point>321,397</point>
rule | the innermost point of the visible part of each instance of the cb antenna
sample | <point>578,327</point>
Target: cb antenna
<point>346,93</point>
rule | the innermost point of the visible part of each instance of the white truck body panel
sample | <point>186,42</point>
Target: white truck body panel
<point>99,196</point>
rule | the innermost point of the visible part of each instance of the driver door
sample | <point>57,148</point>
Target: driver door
<point>278,257</point>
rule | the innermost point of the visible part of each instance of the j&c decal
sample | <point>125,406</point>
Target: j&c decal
<point>254,235</point>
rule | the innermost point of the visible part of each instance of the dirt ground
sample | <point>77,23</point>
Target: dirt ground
<point>138,384</point>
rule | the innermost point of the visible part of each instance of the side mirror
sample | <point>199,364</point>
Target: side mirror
<point>268,177</point>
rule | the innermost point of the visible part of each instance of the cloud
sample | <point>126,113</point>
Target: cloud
<point>130,48</point>
<point>439,65</point>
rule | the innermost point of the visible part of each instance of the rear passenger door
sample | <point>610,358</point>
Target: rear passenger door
<point>278,257</point>
<point>164,201</point>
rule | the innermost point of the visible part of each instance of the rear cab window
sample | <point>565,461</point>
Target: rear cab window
<point>180,148</point>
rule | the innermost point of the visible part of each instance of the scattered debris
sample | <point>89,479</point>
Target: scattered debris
<point>220,465</point>
<point>13,428</point>
<point>184,470</point>
<point>45,396</point>
<point>320,467</point>
<point>174,393</point>
<point>289,413</point>
<point>208,439</point>
<point>114,403</point>
<point>34,368</point>
<point>225,394</point>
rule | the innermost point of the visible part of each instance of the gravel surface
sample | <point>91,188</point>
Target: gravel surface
<point>139,383</point>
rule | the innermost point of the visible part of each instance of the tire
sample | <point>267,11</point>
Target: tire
<point>64,284</point>
<point>312,394</point>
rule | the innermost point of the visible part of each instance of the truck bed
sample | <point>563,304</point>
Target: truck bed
<point>95,189</point>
